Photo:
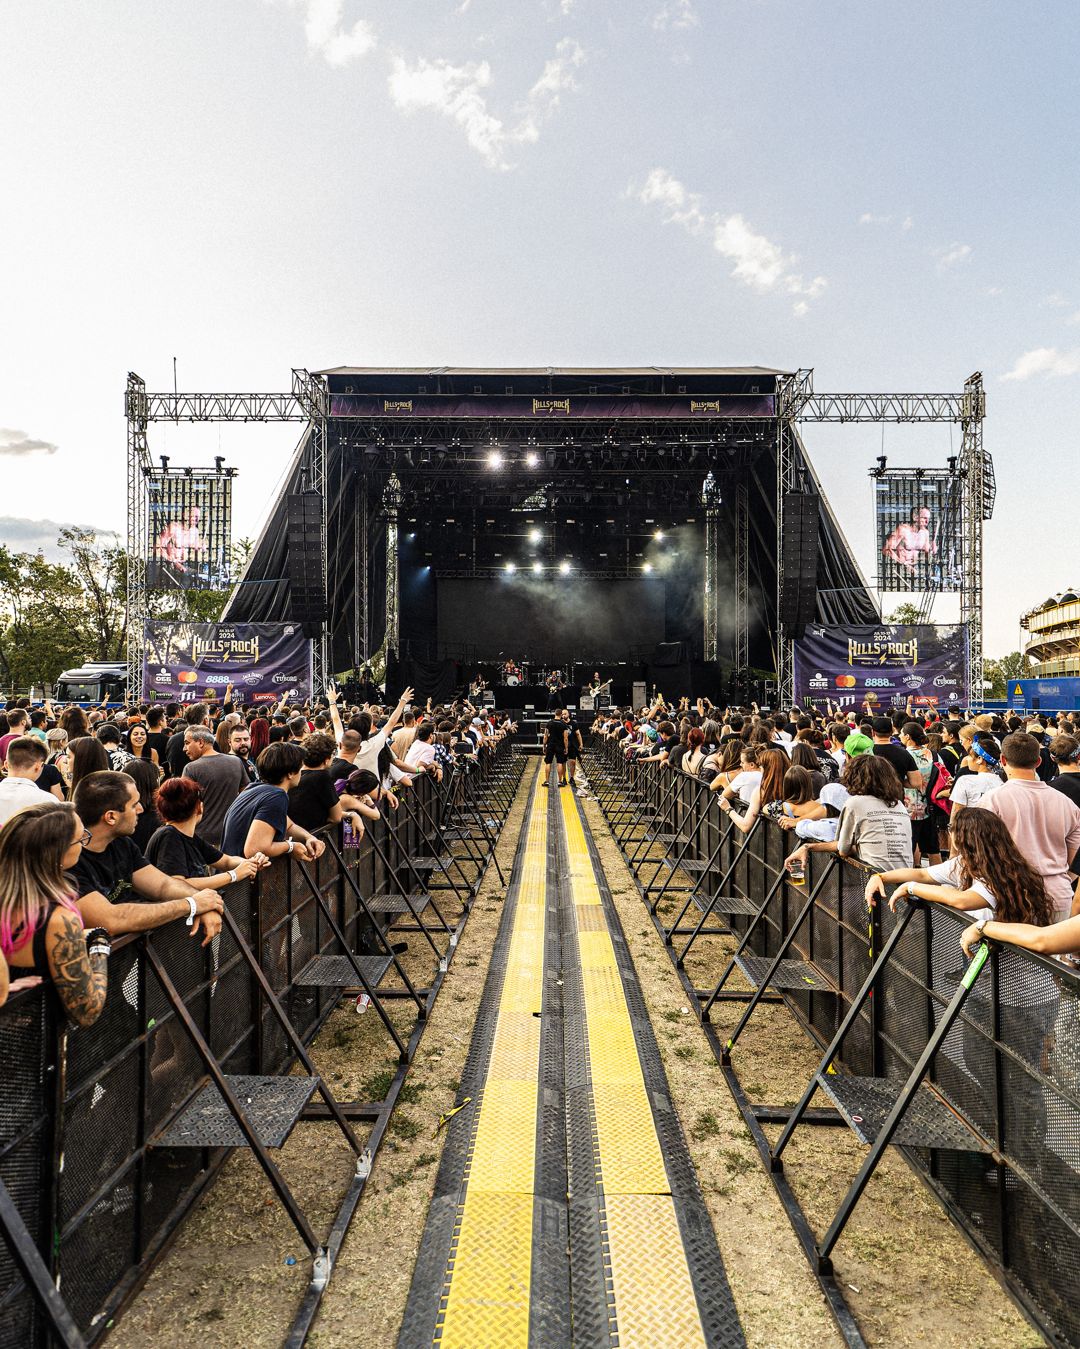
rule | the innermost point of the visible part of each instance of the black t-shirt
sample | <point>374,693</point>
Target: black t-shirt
<point>341,770</point>
<point>50,778</point>
<point>1066,783</point>
<point>175,758</point>
<point>312,799</point>
<point>110,871</point>
<point>177,855</point>
<point>573,728</point>
<point>158,740</point>
<point>900,759</point>
<point>950,756</point>
<point>556,730</point>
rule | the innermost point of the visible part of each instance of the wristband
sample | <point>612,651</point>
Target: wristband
<point>292,845</point>
<point>232,875</point>
<point>193,908</point>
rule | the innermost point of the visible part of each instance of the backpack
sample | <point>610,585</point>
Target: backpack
<point>941,781</point>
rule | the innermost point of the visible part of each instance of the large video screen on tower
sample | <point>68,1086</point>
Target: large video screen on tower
<point>550,621</point>
<point>918,530</point>
<point>189,530</point>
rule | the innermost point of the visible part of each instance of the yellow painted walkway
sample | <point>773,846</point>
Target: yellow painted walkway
<point>509,1260</point>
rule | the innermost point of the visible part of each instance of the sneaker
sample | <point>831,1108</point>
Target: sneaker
<point>562,784</point>
<point>545,784</point>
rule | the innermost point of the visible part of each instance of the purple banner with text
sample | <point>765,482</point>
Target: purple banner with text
<point>263,662</point>
<point>863,667</point>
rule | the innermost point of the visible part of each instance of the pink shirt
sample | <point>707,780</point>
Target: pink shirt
<point>1046,831</point>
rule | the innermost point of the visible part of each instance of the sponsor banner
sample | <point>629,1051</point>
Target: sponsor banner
<point>918,530</point>
<point>883,665</point>
<point>262,661</point>
<point>554,409</point>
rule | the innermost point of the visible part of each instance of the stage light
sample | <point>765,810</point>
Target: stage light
<point>510,567</point>
<point>531,460</point>
<point>538,567</point>
<point>564,568</point>
<point>659,536</point>
<point>495,459</point>
<point>646,566</point>
<point>535,536</point>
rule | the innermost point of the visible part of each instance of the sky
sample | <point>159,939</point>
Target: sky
<point>883,192</point>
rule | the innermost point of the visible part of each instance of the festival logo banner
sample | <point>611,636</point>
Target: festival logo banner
<point>883,666</point>
<point>262,661</point>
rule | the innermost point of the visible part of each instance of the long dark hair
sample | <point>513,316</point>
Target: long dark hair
<point>87,755</point>
<point>798,786</point>
<point>987,853</point>
<point>774,765</point>
<point>803,756</point>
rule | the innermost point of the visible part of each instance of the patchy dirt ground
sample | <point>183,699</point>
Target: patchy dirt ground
<point>226,1282</point>
<point>910,1277</point>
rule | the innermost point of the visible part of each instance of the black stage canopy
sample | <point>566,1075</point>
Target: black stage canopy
<point>556,514</point>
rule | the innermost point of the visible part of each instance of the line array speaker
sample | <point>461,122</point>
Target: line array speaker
<point>305,546</point>
<point>799,549</point>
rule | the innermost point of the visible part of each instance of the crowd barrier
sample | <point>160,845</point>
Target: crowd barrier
<point>81,1108</point>
<point>1007,1069</point>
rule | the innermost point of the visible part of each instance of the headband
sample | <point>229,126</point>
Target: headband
<point>1067,758</point>
<point>985,755</point>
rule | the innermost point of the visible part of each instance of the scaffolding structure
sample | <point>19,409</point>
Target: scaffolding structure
<point>796,401</point>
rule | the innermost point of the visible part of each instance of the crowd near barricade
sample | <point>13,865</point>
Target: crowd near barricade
<point>81,1108</point>
<point>1008,1068</point>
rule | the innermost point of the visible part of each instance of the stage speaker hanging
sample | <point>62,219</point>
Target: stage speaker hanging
<point>305,544</point>
<point>798,595</point>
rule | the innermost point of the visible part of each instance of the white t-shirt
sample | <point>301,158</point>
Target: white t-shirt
<point>367,756</point>
<point>18,793</point>
<point>421,753</point>
<point>743,784</point>
<point>948,873</point>
<point>972,787</point>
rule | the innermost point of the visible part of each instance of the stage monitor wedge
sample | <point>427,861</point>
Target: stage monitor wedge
<point>307,594</point>
<point>798,595</point>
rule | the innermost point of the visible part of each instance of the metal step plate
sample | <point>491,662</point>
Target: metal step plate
<point>339,971</point>
<point>397,903</point>
<point>271,1104</point>
<point>727,904</point>
<point>928,1122</point>
<point>794,974</point>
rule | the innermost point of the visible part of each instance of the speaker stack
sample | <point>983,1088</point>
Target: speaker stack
<point>799,546</point>
<point>305,545</point>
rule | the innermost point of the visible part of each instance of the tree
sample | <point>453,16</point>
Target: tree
<point>904,613</point>
<point>40,609</point>
<point>999,672</point>
<point>100,569</point>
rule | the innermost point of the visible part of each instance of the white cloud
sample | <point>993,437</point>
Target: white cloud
<point>1073,318</point>
<point>908,223</point>
<point>869,218</point>
<point>19,442</point>
<point>458,92</point>
<point>1055,301</point>
<point>955,253</point>
<point>1046,361</point>
<point>565,6</point>
<point>995,290</point>
<point>676,14</point>
<point>759,262</point>
<point>327,34</point>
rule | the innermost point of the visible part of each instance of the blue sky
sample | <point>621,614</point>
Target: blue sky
<point>886,193</point>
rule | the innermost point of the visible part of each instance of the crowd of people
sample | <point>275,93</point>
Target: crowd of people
<point>982,815</point>
<point>120,821</point>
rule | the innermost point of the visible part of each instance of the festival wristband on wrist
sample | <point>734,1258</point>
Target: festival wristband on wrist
<point>232,876</point>
<point>193,909</point>
<point>98,942</point>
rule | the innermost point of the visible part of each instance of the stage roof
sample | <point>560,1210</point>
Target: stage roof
<point>541,370</point>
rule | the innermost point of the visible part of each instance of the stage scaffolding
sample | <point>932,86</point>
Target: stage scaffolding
<point>655,459</point>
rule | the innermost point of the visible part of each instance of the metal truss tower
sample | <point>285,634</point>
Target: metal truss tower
<point>710,498</point>
<point>136,411</point>
<point>742,580</point>
<point>977,469</point>
<point>391,504</point>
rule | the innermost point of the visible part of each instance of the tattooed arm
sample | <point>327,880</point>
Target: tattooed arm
<point>80,979</point>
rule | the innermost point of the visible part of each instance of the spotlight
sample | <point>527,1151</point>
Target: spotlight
<point>564,568</point>
<point>535,536</point>
<point>659,536</point>
<point>646,566</point>
<point>531,459</point>
<point>495,459</point>
<point>510,567</point>
<point>538,567</point>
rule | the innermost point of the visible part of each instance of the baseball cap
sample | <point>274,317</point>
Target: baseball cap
<point>858,744</point>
